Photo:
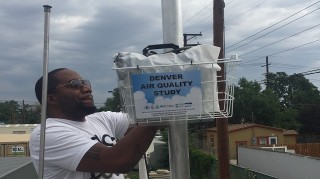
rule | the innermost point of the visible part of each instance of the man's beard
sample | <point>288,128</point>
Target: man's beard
<point>78,109</point>
<point>87,110</point>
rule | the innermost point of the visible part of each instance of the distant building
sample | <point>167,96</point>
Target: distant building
<point>17,128</point>
<point>251,135</point>
<point>14,145</point>
<point>290,136</point>
<point>14,139</point>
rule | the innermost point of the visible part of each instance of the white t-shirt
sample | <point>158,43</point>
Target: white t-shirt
<point>67,141</point>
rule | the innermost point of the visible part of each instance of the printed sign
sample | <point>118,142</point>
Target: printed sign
<point>167,94</point>
<point>17,149</point>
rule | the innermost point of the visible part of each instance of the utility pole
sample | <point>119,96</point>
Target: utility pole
<point>23,113</point>
<point>221,123</point>
<point>185,39</point>
<point>12,116</point>
<point>267,71</point>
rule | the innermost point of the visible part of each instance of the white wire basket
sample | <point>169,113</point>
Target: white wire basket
<point>217,93</point>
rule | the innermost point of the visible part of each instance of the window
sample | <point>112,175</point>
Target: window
<point>262,141</point>
<point>273,140</point>
<point>211,141</point>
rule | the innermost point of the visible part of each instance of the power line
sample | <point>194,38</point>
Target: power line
<point>275,29</point>
<point>247,10</point>
<point>273,25</point>
<point>295,57</point>
<point>287,65</point>
<point>200,21</point>
<point>197,13</point>
<point>296,47</point>
<point>275,65</point>
<point>210,14</point>
<point>285,50</point>
<point>251,64</point>
<point>281,40</point>
<point>310,72</point>
<point>228,3</point>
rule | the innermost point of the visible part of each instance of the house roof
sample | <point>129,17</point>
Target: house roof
<point>236,127</point>
<point>290,132</point>
<point>8,138</point>
<point>19,125</point>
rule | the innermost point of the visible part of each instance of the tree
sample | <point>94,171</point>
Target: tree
<point>287,119</point>
<point>293,91</point>
<point>9,111</point>
<point>309,118</point>
<point>266,108</point>
<point>253,105</point>
<point>298,100</point>
<point>113,103</point>
<point>244,95</point>
<point>32,114</point>
<point>201,164</point>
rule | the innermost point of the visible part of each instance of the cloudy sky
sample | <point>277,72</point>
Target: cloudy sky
<point>85,35</point>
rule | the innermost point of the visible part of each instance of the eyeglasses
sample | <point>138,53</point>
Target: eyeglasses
<point>76,83</point>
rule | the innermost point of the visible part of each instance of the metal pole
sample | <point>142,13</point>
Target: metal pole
<point>221,123</point>
<point>178,131</point>
<point>172,22</point>
<point>143,169</point>
<point>47,10</point>
<point>267,71</point>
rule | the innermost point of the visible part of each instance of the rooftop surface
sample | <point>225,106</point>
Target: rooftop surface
<point>11,164</point>
<point>6,138</point>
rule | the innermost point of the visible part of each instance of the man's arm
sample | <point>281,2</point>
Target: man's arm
<point>123,156</point>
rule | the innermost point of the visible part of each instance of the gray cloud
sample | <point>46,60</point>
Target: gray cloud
<point>84,35</point>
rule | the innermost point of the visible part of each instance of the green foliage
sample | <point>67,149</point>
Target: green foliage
<point>279,105</point>
<point>165,155</point>
<point>113,103</point>
<point>11,112</point>
<point>309,119</point>
<point>287,119</point>
<point>242,173</point>
<point>266,108</point>
<point>201,164</point>
<point>250,104</point>
<point>245,94</point>
<point>8,110</point>
<point>293,91</point>
<point>133,174</point>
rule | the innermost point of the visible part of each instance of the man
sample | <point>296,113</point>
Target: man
<point>82,144</point>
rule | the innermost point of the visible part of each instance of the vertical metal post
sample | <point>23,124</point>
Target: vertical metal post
<point>172,22</point>
<point>178,131</point>
<point>221,123</point>
<point>47,10</point>
<point>179,150</point>
<point>142,168</point>
<point>267,71</point>
<point>23,113</point>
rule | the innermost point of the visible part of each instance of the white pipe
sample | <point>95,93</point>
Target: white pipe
<point>172,22</point>
<point>47,10</point>
<point>178,131</point>
<point>142,169</point>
